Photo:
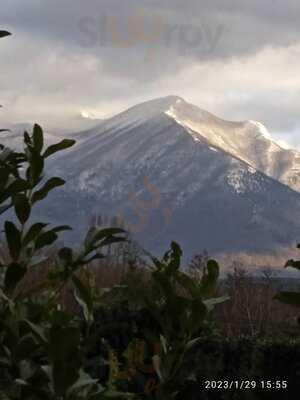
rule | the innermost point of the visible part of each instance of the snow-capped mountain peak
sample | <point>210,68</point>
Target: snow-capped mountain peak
<point>249,141</point>
<point>229,135</point>
<point>261,128</point>
<point>148,109</point>
<point>172,171</point>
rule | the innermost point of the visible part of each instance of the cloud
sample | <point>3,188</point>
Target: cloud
<point>238,59</point>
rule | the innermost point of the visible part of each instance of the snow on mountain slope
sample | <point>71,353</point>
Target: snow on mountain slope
<point>151,167</point>
<point>250,141</point>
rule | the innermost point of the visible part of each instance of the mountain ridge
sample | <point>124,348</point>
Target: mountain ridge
<point>168,182</point>
<point>247,140</point>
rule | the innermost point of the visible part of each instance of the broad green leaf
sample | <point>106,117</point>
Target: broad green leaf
<point>33,232</point>
<point>211,303</point>
<point>176,254</point>
<point>19,185</point>
<point>49,237</point>
<point>38,138</point>
<point>188,284</point>
<point>64,342</point>
<point>36,167</point>
<point>4,34</point>
<point>61,228</point>
<point>110,240</point>
<point>83,381</point>
<point>171,259</point>
<point>63,145</point>
<point>105,233</point>
<point>210,278</point>
<point>84,297</point>
<point>293,264</point>
<point>21,382</point>
<point>89,239</point>
<point>49,185</point>
<point>13,238</point>
<point>213,269</point>
<point>193,343</point>
<point>97,256</point>
<point>291,298</point>
<point>4,176</point>
<point>27,139</point>
<point>22,207</point>
<point>14,274</point>
<point>156,362</point>
<point>45,239</point>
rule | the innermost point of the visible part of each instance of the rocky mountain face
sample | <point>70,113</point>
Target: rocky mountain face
<point>249,141</point>
<point>174,172</point>
<point>171,171</point>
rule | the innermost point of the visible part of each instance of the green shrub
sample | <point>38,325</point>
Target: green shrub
<point>173,310</point>
<point>45,349</point>
<point>240,360</point>
<point>42,347</point>
<point>291,298</point>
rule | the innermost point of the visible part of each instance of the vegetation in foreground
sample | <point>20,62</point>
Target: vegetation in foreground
<point>44,348</point>
<point>136,340</point>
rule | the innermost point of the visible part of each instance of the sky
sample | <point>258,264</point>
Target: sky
<point>239,59</point>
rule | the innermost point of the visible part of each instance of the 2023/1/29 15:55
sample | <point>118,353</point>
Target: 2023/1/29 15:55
<point>245,384</point>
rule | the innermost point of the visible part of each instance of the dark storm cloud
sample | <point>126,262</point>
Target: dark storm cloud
<point>73,54</point>
<point>125,34</point>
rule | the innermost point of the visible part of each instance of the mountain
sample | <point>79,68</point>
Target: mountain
<point>249,141</point>
<point>172,171</point>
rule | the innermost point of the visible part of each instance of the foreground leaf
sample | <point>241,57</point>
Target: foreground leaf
<point>22,207</point>
<point>291,298</point>
<point>44,191</point>
<point>13,238</point>
<point>63,145</point>
<point>14,274</point>
<point>4,34</point>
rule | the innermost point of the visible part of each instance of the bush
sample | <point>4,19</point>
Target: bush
<point>47,351</point>
<point>43,348</point>
<point>291,298</point>
<point>244,359</point>
<point>162,319</point>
